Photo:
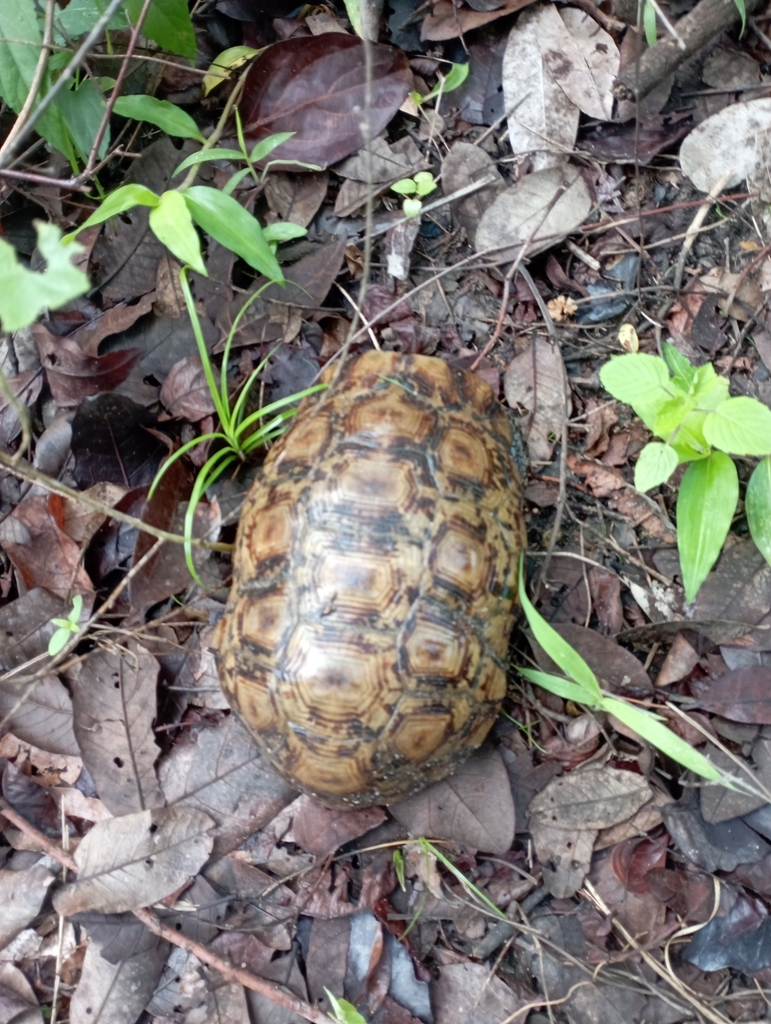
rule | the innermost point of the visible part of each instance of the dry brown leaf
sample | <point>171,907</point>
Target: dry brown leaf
<point>536,381</point>
<point>594,798</point>
<point>136,860</point>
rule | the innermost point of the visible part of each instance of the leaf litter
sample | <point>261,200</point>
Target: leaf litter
<point>570,844</point>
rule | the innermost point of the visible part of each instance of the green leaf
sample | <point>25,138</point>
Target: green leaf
<point>404,187</point>
<point>83,109</point>
<point>59,639</point>
<point>225,63</point>
<point>559,650</point>
<point>24,294</point>
<point>124,198</point>
<point>424,183</point>
<point>20,41</point>
<point>168,24</point>
<point>227,221</point>
<point>172,224</point>
<point>412,207</point>
<point>283,231</point>
<point>79,16</point>
<point>454,79</point>
<point>740,426</point>
<point>641,381</point>
<point>205,155</point>
<point>344,1012</point>
<point>757,503</point>
<point>266,146</point>
<point>708,389</point>
<point>705,506</point>
<point>682,371</point>
<point>661,737</point>
<point>556,684</point>
<point>164,115</point>
<point>671,415</point>
<point>649,23</point>
<point>657,462</point>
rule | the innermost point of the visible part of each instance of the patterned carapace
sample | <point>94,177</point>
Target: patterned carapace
<point>375,573</point>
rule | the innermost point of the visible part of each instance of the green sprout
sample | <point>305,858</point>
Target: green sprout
<point>422,184</point>
<point>66,627</point>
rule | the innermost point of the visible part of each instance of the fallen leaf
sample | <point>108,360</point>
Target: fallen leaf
<point>116,991</point>
<point>114,699</point>
<point>594,798</point>
<point>582,58</point>
<point>543,120</point>
<point>72,375</point>
<point>136,860</point>
<point>448,21</point>
<point>321,831</point>
<point>473,807</point>
<point>112,442</point>
<point>314,87</point>
<point>536,381</point>
<point>536,213</point>
<point>734,142</point>
<point>21,896</point>
<point>25,388</point>
<point>185,393</point>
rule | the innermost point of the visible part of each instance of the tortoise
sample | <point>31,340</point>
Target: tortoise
<point>365,638</point>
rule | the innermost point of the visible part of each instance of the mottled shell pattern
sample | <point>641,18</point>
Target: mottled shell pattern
<point>375,573</point>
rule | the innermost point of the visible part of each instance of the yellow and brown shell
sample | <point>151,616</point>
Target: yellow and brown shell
<point>375,574</point>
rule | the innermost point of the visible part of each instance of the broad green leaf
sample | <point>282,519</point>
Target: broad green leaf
<point>740,426</point>
<point>404,187</point>
<point>20,41</point>
<point>708,389</point>
<point>227,221</point>
<point>24,294</point>
<point>171,223</point>
<point>224,64</point>
<point>682,371</point>
<point>559,650</point>
<point>641,381</point>
<point>205,155</point>
<point>657,462</point>
<point>688,439</point>
<point>167,116</point>
<point>556,684</point>
<point>671,415</point>
<point>283,231</point>
<point>649,23</point>
<point>168,24</point>
<point>454,79</point>
<point>83,109</point>
<point>344,1012</point>
<point>412,207</point>
<point>79,16</point>
<point>266,146</point>
<point>660,736</point>
<point>424,183</point>
<point>705,506</point>
<point>757,503</point>
<point>124,198</point>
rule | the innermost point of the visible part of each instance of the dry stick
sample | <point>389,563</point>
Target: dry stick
<point>695,225</point>
<point>36,477</point>
<point>151,922</point>
<point>58,86</point>
<point>708,19</point>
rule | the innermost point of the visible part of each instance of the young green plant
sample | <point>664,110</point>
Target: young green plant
<point>581,686</point>
<point>690,409</point>
<point>413,189</point>
<point>239,434</point>
<point>66,627</point>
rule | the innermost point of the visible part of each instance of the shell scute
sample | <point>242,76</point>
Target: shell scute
<point>375,572</point>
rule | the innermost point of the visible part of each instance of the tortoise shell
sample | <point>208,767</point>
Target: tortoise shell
<point>375,575</point>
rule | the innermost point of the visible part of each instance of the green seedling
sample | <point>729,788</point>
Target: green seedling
<point>580,685</point>
<point>690,409</point>
<point>413,189</point>
<point>343,1012</point>
<point>239,434</point>
<point>454,79</point>
<point>66,627</point>
<point>429,848</point>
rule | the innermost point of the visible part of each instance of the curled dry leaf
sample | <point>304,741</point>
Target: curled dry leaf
<point>448,20</point>
<point>536,381</point>
<point>136,860</point>
<point>314,86</point>
<point>591,799</point>
<point>537,212</point>
<point>114,695</point>
<point>185,393</point>
<point>736,141</point>
<point>543,122</point>
<point>473,807</point>
<point>72,375</point>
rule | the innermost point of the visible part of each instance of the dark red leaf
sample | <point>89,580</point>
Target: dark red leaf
<point>73,375</point>
<point>743,695</point>
<point>315,87</point>
<point>634,858</point>
<point>113,441</point>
